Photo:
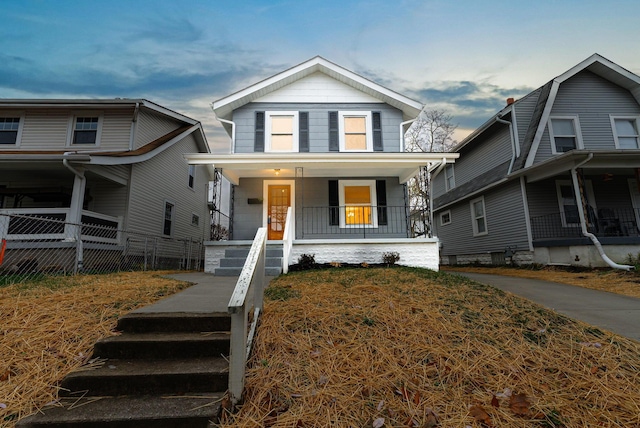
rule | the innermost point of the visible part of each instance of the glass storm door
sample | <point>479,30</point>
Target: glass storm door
<point>279,199</point>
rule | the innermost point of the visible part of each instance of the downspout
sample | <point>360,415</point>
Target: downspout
<point>513,142</point>
<point>233,129</point>
<point>583,223</point>
<point>406,122</point>
<point>134,125</point>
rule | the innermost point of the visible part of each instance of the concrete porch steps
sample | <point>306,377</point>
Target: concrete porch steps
<point>234,259</point>
<point>164,370</point>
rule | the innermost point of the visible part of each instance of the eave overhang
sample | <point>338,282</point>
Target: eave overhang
<point>403,165</point>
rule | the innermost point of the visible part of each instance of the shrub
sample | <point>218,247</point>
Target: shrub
<point>307,261</point>
<point>390,258</point>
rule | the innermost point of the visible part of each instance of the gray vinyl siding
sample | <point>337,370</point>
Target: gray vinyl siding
<point>108,198</point>
<point>165,177</point>
<point>312,196</point>
<point>151,126</point>
<point>592,99</point>
<point>48,129</point>
<point>244,119</point>
<point>524,109</point>
<point>504,218</point>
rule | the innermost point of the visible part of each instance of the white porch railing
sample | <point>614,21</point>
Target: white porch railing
<point>252,278</point>
<point>51,224</point>
<point>287,241</point>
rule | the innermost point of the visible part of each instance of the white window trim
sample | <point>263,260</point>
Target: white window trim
<point>189,175</point>
<point>13,114</point>
<point>590,197</point>
<point>173,217</point>
<point>613,118</point>
<point>368,124</point>
<point>442,214</point>
<point>453,176</point>
<point>473,217</point>
<point>296,132</point>
<point>374,203</point>
<point>576,129</point>
<point>72,126</point>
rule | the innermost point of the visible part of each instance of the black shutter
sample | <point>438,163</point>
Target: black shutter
<point>334,203</point>
<point>258,144</point>
<point>303,131</point>
<point>334,143</point>
<point>381,196</point>
<point>377,131</point>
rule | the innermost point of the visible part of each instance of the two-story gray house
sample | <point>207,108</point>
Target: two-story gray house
<point>115,164</point>
<point>552,178</point>
<point>326,145</point>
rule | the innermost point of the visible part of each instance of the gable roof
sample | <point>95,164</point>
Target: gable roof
<point>225,106</point>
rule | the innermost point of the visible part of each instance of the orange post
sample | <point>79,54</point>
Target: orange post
<point>4,247</point>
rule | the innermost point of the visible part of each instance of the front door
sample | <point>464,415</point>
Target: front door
<point>279,199</point>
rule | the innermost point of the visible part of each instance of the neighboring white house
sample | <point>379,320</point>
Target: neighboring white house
<point>327,144</point>
<point>114,163</point>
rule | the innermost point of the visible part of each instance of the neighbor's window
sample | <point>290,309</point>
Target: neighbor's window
<point>167,225</point>
<point>9,130</point>
<point>355,131</point>
<point>358,202</point>
<point>450,181</point>
<point>565,135</point>
<point>478,215</point>
<point>192,176</point>
<point>625,132</point>
<point>85,130</point>
<point>195,219</point>
<point>445,218</point>
<point>282,131</point>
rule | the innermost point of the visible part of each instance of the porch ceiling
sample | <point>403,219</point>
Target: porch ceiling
<point>378,164</point>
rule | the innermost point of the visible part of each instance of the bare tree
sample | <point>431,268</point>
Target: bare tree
<point>431,132</point>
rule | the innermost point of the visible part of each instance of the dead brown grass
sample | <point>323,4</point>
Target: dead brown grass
<point>413,348</point>
<point>48,328</point>
<point>614,281</point>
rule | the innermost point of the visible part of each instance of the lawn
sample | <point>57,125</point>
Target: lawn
<point>401,347</point>
<point>48,328</point>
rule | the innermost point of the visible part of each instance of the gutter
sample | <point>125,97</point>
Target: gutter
<point>583,223</point>
<point>435,172</point>
<point>514,150</point>
<point>233,129</point>
<point>134,125</point>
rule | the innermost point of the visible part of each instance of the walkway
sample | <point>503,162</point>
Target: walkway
<point>614,312</point>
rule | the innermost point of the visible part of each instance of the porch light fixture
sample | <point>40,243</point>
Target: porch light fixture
<point>277,171</point>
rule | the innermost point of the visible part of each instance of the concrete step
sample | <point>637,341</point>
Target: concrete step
<point>239,262</point>
<point>194,411</point>
<point>235,271</point>
<point>140,377</point>
<point>173,322</point>
<point>163,345</point>
<point>244,252</point>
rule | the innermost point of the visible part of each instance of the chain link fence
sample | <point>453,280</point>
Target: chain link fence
<point>36,245</point>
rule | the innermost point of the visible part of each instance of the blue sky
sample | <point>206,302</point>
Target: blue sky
<point>464,56</point>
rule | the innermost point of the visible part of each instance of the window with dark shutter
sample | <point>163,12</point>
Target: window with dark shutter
<point>334,203</point>
<point>258,145</point>
<point>334,133</point>
<point>381,196</point>
<point>303,130</point>
<point>377,131</point>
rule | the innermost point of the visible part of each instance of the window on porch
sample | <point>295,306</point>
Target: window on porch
<point>358,197</point>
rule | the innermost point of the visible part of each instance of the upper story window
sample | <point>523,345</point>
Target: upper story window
<point>449,178</point>
<point>192,176</point>
<point>86,129</point>
<point>355,131</point>
<point>479,217</point>
<point>625,132</point>
<point>565,134</point>
<point>281,131</point>
<point>10,130</point>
